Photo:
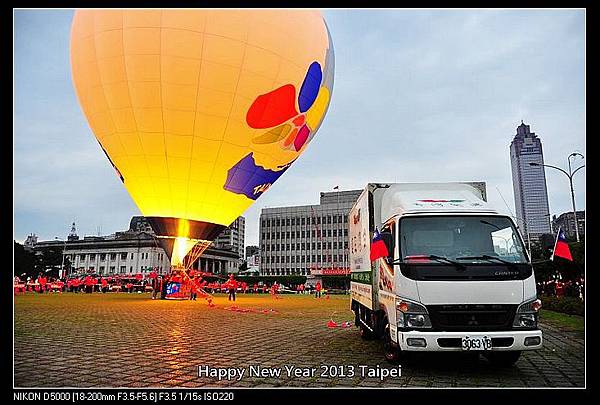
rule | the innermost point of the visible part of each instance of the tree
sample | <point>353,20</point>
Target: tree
<point>545,269</point>
<point>25,262</point>
<point>243,266</point>
<point>50,258</point>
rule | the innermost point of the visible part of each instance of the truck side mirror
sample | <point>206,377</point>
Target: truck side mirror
<point>388,239</point>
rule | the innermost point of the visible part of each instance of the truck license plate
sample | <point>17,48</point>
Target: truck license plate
<point>476,343</point>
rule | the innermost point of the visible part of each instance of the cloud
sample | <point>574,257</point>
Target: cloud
<point>418,96</point>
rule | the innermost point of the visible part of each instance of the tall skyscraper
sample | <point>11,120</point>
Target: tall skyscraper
<point>529,183</point>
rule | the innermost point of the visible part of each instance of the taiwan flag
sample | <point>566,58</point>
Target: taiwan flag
<point>378,248</point>
<point>561,247</point>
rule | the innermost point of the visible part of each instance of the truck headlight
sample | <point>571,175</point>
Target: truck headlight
<point>411,314</point>
<point>527,314</point>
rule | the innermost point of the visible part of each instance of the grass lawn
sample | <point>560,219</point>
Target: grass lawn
<point>572,322</point>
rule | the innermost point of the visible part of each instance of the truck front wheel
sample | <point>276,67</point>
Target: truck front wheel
<point>503,359</point>
<point>390,350</point>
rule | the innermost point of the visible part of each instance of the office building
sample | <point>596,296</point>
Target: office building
<point>529,184</point>
<point>306,239</point>
<point>566,222</point>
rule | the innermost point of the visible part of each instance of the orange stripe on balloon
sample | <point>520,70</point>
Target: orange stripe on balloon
<point>288,141</point>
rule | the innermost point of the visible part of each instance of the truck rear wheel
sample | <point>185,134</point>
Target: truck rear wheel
<point>503,359</point>
<point>391,351</point>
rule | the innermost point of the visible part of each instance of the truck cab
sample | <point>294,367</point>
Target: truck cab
<point>435,268</point>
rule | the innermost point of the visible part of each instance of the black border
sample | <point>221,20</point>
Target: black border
<point>322,395</point>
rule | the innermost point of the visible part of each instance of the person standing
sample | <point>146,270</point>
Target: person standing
<point>193,288</point>
<point>163,287</point>
<point>88,284</point>
<point>231,287</point>
<point>318,290</point>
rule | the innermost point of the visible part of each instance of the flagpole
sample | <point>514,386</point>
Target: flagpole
<point>555,243</point>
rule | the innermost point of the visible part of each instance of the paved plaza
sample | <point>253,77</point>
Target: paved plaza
<point>129,340</point>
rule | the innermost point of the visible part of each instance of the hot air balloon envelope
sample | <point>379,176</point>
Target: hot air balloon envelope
<point>201,111</point>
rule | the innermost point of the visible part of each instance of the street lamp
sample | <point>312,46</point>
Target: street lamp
<point>62,265</point>
<point>570,175</point>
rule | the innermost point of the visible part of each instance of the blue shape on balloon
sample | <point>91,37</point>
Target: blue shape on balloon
<point>251,180</point>
<point>310,87</point>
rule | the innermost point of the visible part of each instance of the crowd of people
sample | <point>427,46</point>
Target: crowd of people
<point>562,288</point>
<point>82,284</point>
<point>156,284</point>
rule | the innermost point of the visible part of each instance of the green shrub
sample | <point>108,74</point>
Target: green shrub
<point>566,305</point>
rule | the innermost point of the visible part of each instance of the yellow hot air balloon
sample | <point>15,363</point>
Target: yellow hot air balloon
<point>200,111</point>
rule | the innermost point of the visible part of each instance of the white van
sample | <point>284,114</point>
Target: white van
<point>435,268</point>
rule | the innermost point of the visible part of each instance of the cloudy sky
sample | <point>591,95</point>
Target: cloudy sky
<point>419,95</point>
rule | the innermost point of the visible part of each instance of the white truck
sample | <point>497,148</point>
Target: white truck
<point>435,268</point>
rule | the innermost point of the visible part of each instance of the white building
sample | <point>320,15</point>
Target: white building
<point>529,183</point>
<point>130,252</point>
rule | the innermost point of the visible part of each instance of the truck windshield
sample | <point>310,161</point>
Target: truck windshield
<point>466,239</point>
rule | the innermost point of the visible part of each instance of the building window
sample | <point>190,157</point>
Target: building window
<point>131,269</point>
<point>124,256</point>
<point>101,269</point>
<point>92,269</point>
<point>293,221</point>
<point>113,256</point>
<point>112,269</point>
<point>81,257</point>
<point>103,256</point>
<point>123,269</point>
<point>92,256</point>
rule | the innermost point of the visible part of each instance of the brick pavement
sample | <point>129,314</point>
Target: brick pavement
<point>128,340</point>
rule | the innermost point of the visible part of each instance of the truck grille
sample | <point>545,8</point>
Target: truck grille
<point>472,317</point>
